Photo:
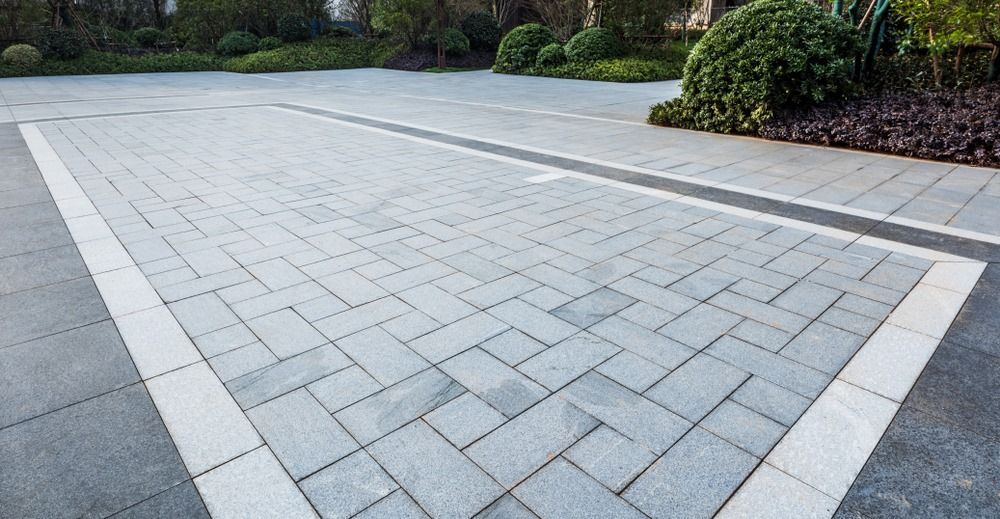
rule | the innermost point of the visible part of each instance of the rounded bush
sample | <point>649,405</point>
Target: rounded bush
<point>238,43</point>
<point>148,36</point>
<point>293,27</point>
<point>21,55</point>
<point>551,55</point>
<point>593,44</point>
<point>455,43</point>
<point>519,49</point>
<point>482,29</point>
<point>339,31</point>
<point>758,59</point>
<point>269,43</point>
<point>59,43</point>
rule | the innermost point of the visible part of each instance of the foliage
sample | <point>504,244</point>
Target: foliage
<point>951,125</point>
<point>762,57</point>
<point>455,43</point>
<point>293,27</point>
<point>93,62</point>
<point>269,43</point>
<point>200,24</point>
<point>619,70</point>
<point>337,31</point>
<point>407,20</point>
<point>641,18</point>
<point>59,43</point>
<point>944,25</point>
<point>519,49</point>
<point>482,29</point>
<point>361,12</point>
<point>564,17</point>
<point>913,72</point>
<point>21,55</point>
<point>317,54</point>
<point>148,36</point>
<point>551,55</point>
<point>238,43</point>
<point>592,44</point>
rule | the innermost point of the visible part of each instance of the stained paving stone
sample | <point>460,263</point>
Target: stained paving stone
<point>348,486</point>
<point>593,307</point>
<point>436,474</point>
<point>301,433</point>
<point>518,448</point>
<point>610,458</point>
<point>387,410</point>
<point>496,383</point>
<point>46,374</point>
<point>561,490</point>
<point>277,379</point>
<point>76,461</point>
<point>180,501</point>
<point>561,364</point>
<point>693,479</point>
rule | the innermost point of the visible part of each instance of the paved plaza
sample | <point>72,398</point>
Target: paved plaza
<point>382,294</point>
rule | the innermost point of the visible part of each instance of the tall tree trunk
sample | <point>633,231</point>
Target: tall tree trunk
<point>994,72</point>
<point>837,9</point>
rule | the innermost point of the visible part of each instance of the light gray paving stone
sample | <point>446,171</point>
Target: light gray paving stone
<point>436,474</point>
<point>612,270</point>
<point>381,355</point>
<point>860,288</point>
<point>224,340</point>
<point>512,347</point>
<point>341,389</point>
<point>823,347</point>
<point>210,261</point>
<point>657,276</point>
<point>789,374</point>
<point>412,277</point>
<point>632,371</point>
<point>242,360</point>
<point>695,388</point>
<point>464,420</point>
<point>457,283</point>
<point>476,267</point>
<point>301,433</point>
<point>763,276</point>
<point>389,409</point>
<point>533,321</point>
<point>704,284</point>
<point>593,307</point>
<point>409,326</point>
<point>768,492</point>
<point>277,274</point>
<point>560,280</point>
<point>278,300</point>
<point>807,299</point>
<point>561,364</point>
<point>518,448</point>
<point>457,337</point>
<point>496,383</point>
<point>275,380</point>
<point>863,306</point>
<point>546,298</point>
<point>610,458</point>
<point>850,321</point>
<point>644,343</point>
<point>156,342</point>
<point>323,306</point>
<point>348,486</point>
<point>771,339</point>
<point>361,317</point>
<point>252,485</point>
<point>795,263</point>
<point>894,276</point>
<point>693,479</point>
<point>666,299</point>
<point>203,314</point>
<point>436,303</point>
<point>748,430</point>
<point>771,400</point>
<point>561,490</point>
<point>754,290</point>
<point>646,315</point>
<point>627,412</point>
<point>496,292</point>
<point>764,313</point>
<point>701,326</point>
<point>397,505</point>
<point>285,333</point>
<point>352,288</point>
<point>507,507</point>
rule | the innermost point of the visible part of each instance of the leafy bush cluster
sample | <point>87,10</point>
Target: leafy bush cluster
<point>455,43</point>
<point>519,49</point>
<point>59,43</point>
<point>238,43</point>
<point>318,54</point>
<point>21,56</point>
<point>269,43</point>
<point>482,30</point>
<point>951,125</point>
<point>93,62</point>
<point>758,59</point>
<point>293,27</point>
<point>148,36</point>
<point>551,55</point>
<point>619,70</point>
<point>592,44</point>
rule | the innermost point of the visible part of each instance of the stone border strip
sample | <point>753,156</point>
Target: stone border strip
<point>206,424</point>
<point>812,466</point>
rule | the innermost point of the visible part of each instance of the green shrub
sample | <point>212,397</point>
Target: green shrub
<point>519,49</point>
<point>317,54</point>
<point>339,31</point>
<point>592,44</point>
<point>269,43</point>
<point>455,43</point>
<point>760,58</point>
<point>482,29</point>
<point>21,55</point>
<point>238,43</point>
<point>148,36</point>
<point>551,55</point>
<point>618,70</point>
<point>59,43</point>
<point>293,27</point>
<point>93,62</point>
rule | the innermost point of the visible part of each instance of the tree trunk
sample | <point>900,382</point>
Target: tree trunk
<point>994,71</point>
<point>838,8</point>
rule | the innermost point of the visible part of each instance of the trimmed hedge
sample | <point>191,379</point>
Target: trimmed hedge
<point>21,56</point>
<point>593,44</point>
<point>293,27</point>
<point>618,70</point>
<point>318,54</point>
<point>551,55</point>
<point>519,49</point>
<point>148,36</point>
<point>269,43</point>
<point>238,43</point>
<point>455,43</point>
<point>482,29</point>
<point>93,62</point>
<point>763,57</point>
<point>59,43</point>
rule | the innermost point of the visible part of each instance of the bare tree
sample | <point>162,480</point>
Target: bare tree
<point>505,10</point>
<point>564,17</point>
<point>360,11</point>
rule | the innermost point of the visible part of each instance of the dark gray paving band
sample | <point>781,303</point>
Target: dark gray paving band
<point>79,434</point>
<point>957,245</point>
<point>940,456</point>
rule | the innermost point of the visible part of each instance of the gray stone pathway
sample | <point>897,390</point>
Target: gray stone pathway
<point>346,320</point>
